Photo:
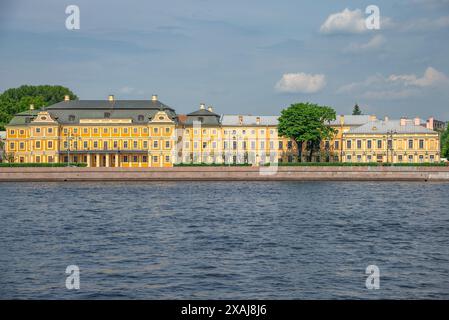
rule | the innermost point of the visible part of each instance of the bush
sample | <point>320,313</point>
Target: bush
<point>202,164</point>
<point>356,164</point>
<point>17,164</point>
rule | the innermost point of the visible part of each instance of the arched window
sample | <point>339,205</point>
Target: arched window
<point>107,115</point>
<point>140,118</point>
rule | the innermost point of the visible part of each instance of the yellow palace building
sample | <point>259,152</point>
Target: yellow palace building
<point>100,133</point>
<point>148,133</point>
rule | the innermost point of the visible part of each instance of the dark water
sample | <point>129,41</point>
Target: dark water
<point>230,240</point>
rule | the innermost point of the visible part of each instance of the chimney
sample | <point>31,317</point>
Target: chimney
<point>386,119</point>
<point>31,106</point>
<point>417,121</point>
<point>342,119</point>
<point>240,120</point>
<point>403,121</point>
<point>430,124</point>
<point>210,109</point>
<point>202,106</point>
<point>111,97</point>
<point>154,97</point>
<point>66,97</point>
<point>372,117</point>
<point>258,120</point>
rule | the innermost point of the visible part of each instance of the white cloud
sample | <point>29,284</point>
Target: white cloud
<point>396,86</point>
<point>375,43</point>
<point>346,21</point>
<point>130,90</point>
<point>301,82</point>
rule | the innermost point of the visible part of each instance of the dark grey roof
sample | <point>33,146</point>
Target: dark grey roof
<point>70,112</point>
<point>205,117</point>
<point>105,104</point>
<point>382,127</point>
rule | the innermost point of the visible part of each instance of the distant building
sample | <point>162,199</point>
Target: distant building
<point>2,143</point>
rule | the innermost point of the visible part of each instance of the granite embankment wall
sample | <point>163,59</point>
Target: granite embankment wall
<point>227,173</point>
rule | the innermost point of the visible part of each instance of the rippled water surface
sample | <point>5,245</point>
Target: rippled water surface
<point>224,240</point>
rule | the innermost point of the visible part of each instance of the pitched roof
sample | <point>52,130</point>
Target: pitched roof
<point>248,120</point>
<point>205,117</point>
<point>70,112</point>
<point>351,120</point>
<point>381,126</point>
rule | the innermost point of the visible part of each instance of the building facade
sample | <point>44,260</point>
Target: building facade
<point>148,133</point>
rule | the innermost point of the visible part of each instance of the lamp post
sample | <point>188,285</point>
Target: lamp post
<point>390,134</point>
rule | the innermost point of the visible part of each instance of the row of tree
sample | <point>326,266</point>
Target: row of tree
<point>16,100</point>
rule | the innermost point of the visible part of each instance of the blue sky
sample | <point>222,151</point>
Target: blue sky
<point>250,57</point>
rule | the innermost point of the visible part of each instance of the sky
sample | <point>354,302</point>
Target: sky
<point>240,56</point>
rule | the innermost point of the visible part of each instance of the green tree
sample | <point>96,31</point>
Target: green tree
<point>445,143</point>
<point>306,123</point>
<point>356,111</point>
<point>16,100</point>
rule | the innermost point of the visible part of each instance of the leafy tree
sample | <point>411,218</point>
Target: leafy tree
<point>356,111</point>
<point>306,123</point>
<point>445,144</point>
<point>16,100</point>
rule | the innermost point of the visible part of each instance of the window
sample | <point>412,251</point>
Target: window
<point>95,130</point>
<point>234,145</point>
<point>50,130</point>
<point>155,144</point>
<point>379,144</point>
<point>38,144</point>
<point>167,130</point>
<point>410,158</point>
<point>135,144</point>
<point>135,159</point>
<point>65,130</point>
<point>65,144</point>
<point>107,115</point>
<point>135,130</point>
<point>370,158</point>
<point>125,130</point>
<point>125,144</point>
<point>71,118</point>
<point>369,144</point>
<point>12,132</point>
<point>167,144</point>
<point>262,144</point>
<point>359,158</point>
<point>253,145</point>
<point>38,130</point>
<point>337,144</point>
<point>204,145</point>
<point>21,132</point>
<point>214,145</point>
<point>421,144</point>
<point>85,145</point>
<point>50,144</point>
<point>95,144</point>
<point>421,158</point>
<point>105,145</point>
<point>140,117</point>
<point>115,144</point>
<point>281,145</point>
<point>215,131</point>
<point>348,157</point>
<point>85,130</point>
<point>125,158</point>
<point>115,131</point>
<point>22,145</point>
<point>410,144</point>
<point>167,158</point>
<point>348,144</point>
<point>50,159</point>
<point>145,144</point>
<point>105,130</point>
<point>144,159</point>
<point>38,159</point>
<point>400,158</point>
<point>195,145</point>
<point>156,130</point>
<point>432,158</point>
<point>155,159</point>
<point>262,131</point>
<point>289,145</point>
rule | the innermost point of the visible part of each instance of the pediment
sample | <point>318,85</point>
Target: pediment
<point>161,116</point>
<point>43,117</point>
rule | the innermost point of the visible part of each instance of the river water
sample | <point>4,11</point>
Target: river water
<point>224,240</point>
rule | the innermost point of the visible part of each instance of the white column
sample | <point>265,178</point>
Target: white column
<point>97,158</point>
<point>107,160</point>
<point>88,160</point>
<point>116,160</point>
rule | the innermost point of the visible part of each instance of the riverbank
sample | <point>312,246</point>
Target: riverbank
<point>302,173</point>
